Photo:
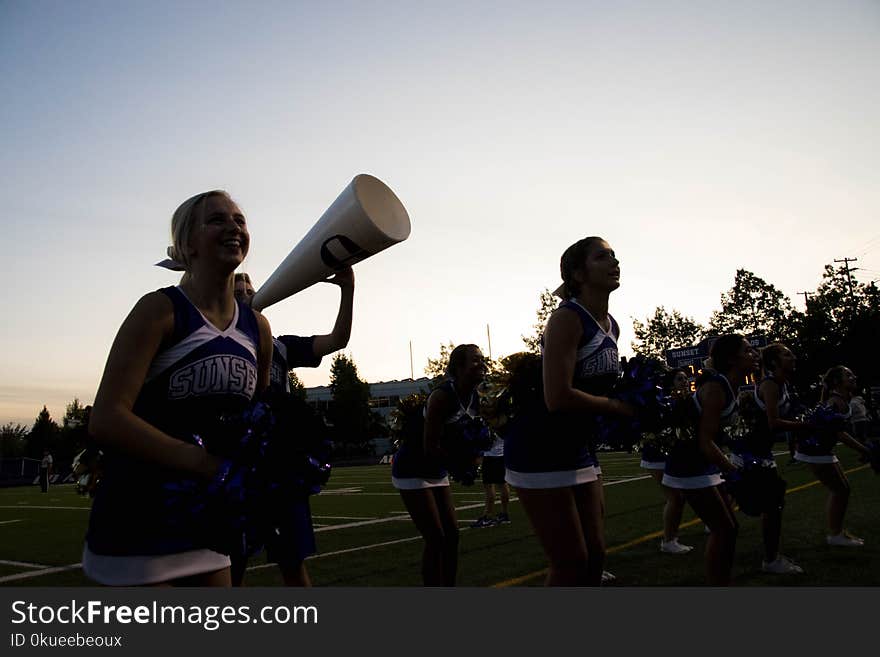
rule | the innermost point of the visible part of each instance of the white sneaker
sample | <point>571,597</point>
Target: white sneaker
<point>844,539</point>
<point>607,577</point>
<point>782,565</point>
<point>674,547</point>
<point>706,530</point>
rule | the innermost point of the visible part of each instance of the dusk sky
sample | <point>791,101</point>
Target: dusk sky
<point>696,137</point>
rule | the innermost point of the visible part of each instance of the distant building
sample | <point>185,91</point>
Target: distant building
<point>383,395</point>
<point>383,399</point>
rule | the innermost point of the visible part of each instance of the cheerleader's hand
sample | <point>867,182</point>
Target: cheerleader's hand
<point>342,278</point>
<point>732,476</point>
<point>202,464</point>
<point>623,408</point>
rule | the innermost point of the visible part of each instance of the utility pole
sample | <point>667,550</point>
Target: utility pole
<point>489,337</point>
<point>846,262</point>
<point>806,299</point>
<point>411,373</point>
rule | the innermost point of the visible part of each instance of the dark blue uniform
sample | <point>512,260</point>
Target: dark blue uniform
<point>411,467</point>
<point>759,441</point>
<point>553,450</point>
<point>686,467</point>
<point>197,374</point>
<point>295,538</point>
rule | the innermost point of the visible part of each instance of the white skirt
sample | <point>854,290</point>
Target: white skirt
<point>692,483</point>
<point>112,570</point>
<point>556,479</point>
<point>823,458</point>
<point>415,483</point>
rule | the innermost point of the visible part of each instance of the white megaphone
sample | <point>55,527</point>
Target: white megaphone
<point>364,219</point>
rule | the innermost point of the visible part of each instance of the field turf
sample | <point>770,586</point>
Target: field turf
<point>365,537</point>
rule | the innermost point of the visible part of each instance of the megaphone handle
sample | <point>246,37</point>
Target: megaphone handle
<point>339,251</point>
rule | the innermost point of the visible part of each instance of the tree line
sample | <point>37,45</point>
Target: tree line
<point>839,325</point>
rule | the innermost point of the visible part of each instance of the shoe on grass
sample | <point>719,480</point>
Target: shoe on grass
<point>845,539</point>
<point>483,521</point>
<point>781,565</point>
<point>502,518</point>
<point>674,547</point>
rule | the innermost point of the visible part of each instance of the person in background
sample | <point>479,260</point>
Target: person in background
<point>493,475</point>
<point>653,460</point>
<point>419,470</point>
<point>838,385</point>
<point>773,409</point>
<point>696,466</point>
<point>45,470</point>
<point>859,419</point>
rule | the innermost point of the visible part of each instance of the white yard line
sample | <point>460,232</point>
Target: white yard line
<point>378,521</point>
<point>346,551</point>
<point>8,522</point>
<point>40,573</point>
<point>623,481</point>
<point>50,508</point>
<point>23,564</point>
<point>345,517</point>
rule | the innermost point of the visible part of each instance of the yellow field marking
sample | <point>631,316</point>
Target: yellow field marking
<point>648,537</point>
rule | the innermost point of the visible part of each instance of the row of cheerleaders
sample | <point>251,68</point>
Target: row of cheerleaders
<point>276,457</point>
<point>208,459</point>
<point>712,448</point>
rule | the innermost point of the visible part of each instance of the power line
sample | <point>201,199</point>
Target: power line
<point>870,245</point>
<point>846,262</point>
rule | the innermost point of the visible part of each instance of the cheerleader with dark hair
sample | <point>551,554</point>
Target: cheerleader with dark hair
<point>770,419</point>
<point>294,537</point>
<point>817,451</point>
<point>549,450</point>
<point>696,466</point>
<point>419,469</point>
<point>654,461</point>
<point>184,356</point>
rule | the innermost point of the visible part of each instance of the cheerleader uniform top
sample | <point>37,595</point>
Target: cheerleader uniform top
<point>818,446</point>
<point>199,373</point>
<point>686,466</point>
<point>759,441</point>
<point>411,467</point>
<point>288,352</point>
<point>546,449</point>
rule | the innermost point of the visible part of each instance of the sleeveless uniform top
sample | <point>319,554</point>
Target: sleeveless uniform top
<point>411,467</point>
<point>686,467</point>
<point>760,440</point>
<point>288,352</point>
<point>199,373</point>
<point>553,450</point>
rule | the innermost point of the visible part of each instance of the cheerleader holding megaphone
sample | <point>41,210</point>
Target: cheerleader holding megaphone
<point>293,538</point>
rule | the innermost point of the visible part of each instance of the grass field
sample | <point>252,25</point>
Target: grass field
<point>365,537</point>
